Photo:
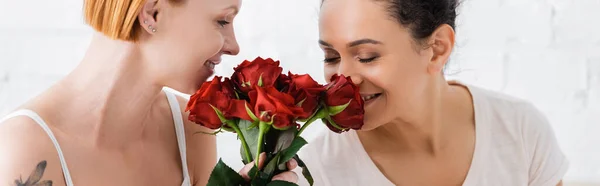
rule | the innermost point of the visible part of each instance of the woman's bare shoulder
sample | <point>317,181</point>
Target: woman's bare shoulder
<point>28,155</point>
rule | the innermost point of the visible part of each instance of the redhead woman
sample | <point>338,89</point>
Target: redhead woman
<point>419,128</point>
<point>110,122</point>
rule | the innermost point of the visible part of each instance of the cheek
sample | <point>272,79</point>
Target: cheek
<point>397,77</point>
<point>383,74</point>
<point>200,42</point>
<point>193,34</point>
<point>188,48</point>
<point>328,71</point>
<point>405,88</point>
<point>210,45</point>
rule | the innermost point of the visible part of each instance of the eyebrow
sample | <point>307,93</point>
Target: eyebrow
<point>353,43</point>
<point>321,42</point>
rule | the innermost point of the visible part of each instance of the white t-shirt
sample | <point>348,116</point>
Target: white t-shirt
<point>514,145</point>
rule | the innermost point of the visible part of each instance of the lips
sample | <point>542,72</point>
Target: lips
<point>211,65</point>
<point>367,97</point>
<point>213,61</point>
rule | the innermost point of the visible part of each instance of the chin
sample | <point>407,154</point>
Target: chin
<point>186,87</point>
<point>368,126</point>
<point>374,121</point>
<point>192,84</point>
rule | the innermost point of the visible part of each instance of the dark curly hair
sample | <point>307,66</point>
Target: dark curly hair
<point>422,17</point>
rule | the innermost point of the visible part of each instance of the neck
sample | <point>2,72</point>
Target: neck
<point>117,91</point>
<point>427,129</point>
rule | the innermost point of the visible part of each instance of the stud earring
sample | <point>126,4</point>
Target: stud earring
<point>145,22</point>
<point>151,28</point>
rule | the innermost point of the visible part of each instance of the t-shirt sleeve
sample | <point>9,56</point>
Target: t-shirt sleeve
<point>548,164</point>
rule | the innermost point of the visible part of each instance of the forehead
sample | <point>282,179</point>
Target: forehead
<point>352,19</point>
<point>351,8</point>
<point>220,5</point>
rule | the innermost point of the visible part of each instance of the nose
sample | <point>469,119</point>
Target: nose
<point>231,46</point>
<point>348,69</point>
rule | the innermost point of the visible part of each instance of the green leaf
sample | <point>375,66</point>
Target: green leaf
<point>250,113</point>
<point>272,165</point>
<point>251,135</point>
<point>281,183</point>
<point>291,151</point>
<point>247,84</point>
<point>245,160</point>
<point>333,124</point>
<point>237,96</point>
<point>321,112</point>
<point>253,172</point>
<point>299,104</point>
<point>334,110</point>
<point>210,133</point>
<point>223,175</point>
<point>285,139</point>
<point>305,171</point>
<point>219,113</point>
<point>254,125</point>
<point>260,180</point>
<point>227,129</point>
<point>260,81</point>
<point>271,137</point>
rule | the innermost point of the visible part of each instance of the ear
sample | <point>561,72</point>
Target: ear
<point>442,43</point>
<point>148,16</point>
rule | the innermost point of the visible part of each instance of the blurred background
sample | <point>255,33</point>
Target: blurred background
<point>544,51</point>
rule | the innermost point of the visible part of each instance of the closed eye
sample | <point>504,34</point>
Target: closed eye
<point>331,60</point>
<point>367,60</point>
<point>223,23</point>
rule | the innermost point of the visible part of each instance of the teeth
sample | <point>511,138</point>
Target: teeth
<point>369,97</point>
<point>210,65</point>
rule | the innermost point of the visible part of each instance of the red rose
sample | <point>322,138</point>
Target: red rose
<point>340,92</point>
<point>248,74</point>
<point>217,94</point>
<point>283,82</point>
<point>306,93</point>
<point>268,104</point>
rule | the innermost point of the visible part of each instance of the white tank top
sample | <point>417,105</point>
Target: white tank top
<point>179,130</point>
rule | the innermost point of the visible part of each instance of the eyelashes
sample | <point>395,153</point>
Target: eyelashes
<point>331,60</point>
<point>368,60</point>
<point>223,23</point>
<point>362,60</point>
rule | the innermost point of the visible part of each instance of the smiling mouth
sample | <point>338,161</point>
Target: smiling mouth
<point>210,64</point>
<point>368,97</point>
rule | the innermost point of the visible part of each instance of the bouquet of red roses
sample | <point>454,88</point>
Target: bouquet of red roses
<point>265,108</point>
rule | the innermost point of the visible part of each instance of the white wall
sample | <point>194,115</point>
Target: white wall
<point>546,51</point>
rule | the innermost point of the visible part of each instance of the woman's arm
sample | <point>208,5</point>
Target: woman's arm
<point>27,155</point>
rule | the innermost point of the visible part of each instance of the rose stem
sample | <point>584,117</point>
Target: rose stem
<point>241,135</point>
<point>320,114</point>
<point>263,127</point>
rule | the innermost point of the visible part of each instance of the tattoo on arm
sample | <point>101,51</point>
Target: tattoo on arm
<point>35,177</point>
